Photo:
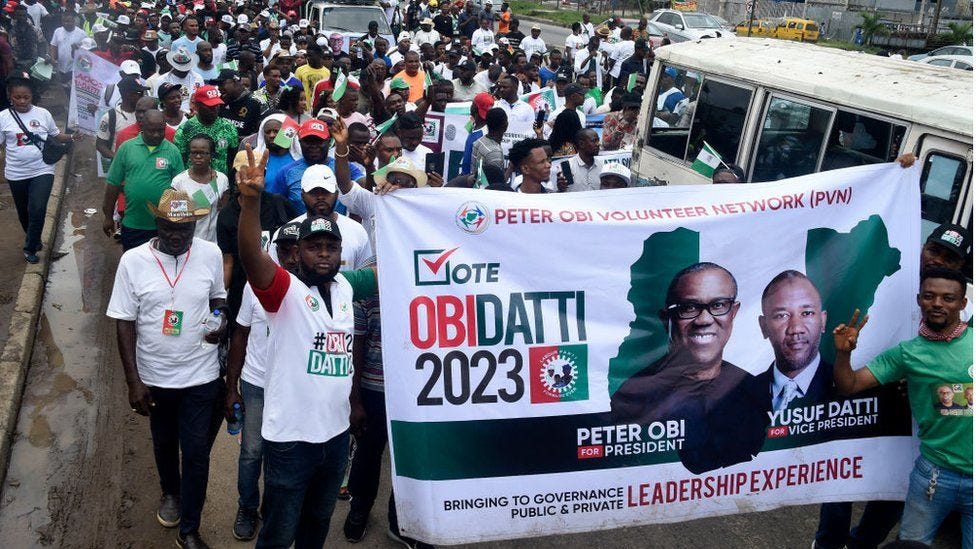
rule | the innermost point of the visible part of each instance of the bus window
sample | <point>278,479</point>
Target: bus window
<point>856,140</point>
<point>719,118</point>
<point>942,179</point>
<point>673,107</point>
<point>790,141</point>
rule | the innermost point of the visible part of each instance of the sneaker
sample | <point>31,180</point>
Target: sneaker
<point>409,543</point>
<point>191,541</point>
<point>354,528</point>
<point>246,524</point>
<point>31,258</point>
<point>344,493</point>
<point>169,511</point>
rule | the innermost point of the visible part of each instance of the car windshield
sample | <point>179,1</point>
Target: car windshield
<point>653,30</point>
<point>700,21</point>
<point>353,19</point>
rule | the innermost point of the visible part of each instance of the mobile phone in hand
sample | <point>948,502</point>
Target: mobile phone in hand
<point>567,172</point>
<point>434,163</point>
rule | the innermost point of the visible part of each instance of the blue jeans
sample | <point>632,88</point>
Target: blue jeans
<point>30,198</point>
<point>180,426</point>
<point>301,485</point>
<point>249,464</point>
<point>834,531</point>
<point>925,510</point>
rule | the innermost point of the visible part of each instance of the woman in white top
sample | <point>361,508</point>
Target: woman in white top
<point>204,185</point>
<point>29,177</point>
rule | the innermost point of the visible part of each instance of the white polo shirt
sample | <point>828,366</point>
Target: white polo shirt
<point>176,302</point>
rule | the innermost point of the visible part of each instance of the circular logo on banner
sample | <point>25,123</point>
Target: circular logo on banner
<point>473,217</point>
<point>559,374</point>
<point>84,64</point>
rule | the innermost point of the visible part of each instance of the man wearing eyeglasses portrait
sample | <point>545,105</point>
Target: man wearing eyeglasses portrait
<point>723,406</point>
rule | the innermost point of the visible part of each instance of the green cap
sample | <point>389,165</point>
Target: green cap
<point>399,84</point>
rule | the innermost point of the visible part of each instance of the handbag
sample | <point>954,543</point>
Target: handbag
<point>52,149</point>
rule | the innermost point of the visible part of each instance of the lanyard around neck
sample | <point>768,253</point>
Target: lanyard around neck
<point>172,282</point>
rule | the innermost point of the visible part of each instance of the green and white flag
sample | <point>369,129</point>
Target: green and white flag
<point>382,171</point>
<point>340,87</point>
<point>481,182</point>
<point>427,80</point>
<point>708,160</point>
<point>631,81</point>
<point>383,127</point>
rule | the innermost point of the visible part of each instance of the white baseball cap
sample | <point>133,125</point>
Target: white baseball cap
<point>130,67</point>
<point>616,169</point>
<point>227,18</point>
<point>242,19</point>
<point>319,176</point>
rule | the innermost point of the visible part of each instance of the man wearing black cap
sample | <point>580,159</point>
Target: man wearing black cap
<point>240,108</point>
<point>947,247</point>
<point>131,88</point>
<point>465,86</point>
<point>309,402</point>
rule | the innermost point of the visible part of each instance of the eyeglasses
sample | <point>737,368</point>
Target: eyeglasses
<point>199,153</point>
<point>691,309</point>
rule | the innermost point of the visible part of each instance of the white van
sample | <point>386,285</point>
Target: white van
<point>782,109</point>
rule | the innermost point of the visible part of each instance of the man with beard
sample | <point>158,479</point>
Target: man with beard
<point>941,354</point>
<point>793,320</point>
<point>308,375</point>
<point>240,108</point>
<point>313,136</point>
<point>723,406</point>
<point>163,290</point>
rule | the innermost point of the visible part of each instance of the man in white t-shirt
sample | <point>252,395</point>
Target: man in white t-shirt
<point>182,73</point>
<point>483,39</point>
<point>246,361</point>
<point>621,51</point>
<point>309,405</point>
<point>575,41</point>
<point>67,38</point>
<point>164,292</point>
<point>320,193</point>
<point>533,44</point>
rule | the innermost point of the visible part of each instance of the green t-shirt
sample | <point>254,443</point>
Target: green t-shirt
<point>222,132</point>
<point>936,371</point>
<point>363,282</point>
<point>146,174</point>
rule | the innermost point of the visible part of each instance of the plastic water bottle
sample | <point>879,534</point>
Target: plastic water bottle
<point>211,324</point>
<point>234,427</point>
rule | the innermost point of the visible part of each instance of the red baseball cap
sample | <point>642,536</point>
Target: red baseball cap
<point>313,128</point>
<point>484,101</point>
<point>208,96</point>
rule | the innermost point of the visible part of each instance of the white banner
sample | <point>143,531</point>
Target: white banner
<point>555,376</point>
<point>90,77</point>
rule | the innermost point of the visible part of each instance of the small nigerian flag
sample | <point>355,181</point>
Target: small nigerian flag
<point>427,80</point>
<point>287,133</point>
<point>383,127</point>
<point>382,171</point>
<point>482,180</point>
<point>707,161</point>
<point>340,87</point>
<point>631,81</point>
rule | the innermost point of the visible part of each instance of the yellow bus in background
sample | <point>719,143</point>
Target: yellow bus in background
<point>787,28</point>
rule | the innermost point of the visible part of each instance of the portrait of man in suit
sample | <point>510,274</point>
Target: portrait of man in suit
<point>792,321</point>
<point>723,405</point>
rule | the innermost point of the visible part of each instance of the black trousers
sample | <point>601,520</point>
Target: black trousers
<point>364,476</point>
<point>181,426</point>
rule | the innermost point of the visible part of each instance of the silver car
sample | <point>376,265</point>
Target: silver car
<point>681,26</point>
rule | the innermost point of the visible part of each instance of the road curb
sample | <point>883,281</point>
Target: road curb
<point>15,359</point>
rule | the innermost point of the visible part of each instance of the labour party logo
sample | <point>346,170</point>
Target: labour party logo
<point>312,303</point>
<point>473,217</point>
<point>558,373</point>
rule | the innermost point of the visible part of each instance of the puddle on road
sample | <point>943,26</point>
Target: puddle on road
<point>60,405</point>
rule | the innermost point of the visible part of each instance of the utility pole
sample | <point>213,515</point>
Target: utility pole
<point>935,19</point>
<point>752,16</point>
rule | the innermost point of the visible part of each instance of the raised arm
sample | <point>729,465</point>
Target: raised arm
<point>258,265</point>
<point>846,379</point>
<point>341,136</point>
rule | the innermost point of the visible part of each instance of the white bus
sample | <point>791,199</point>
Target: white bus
<point>781,109</point>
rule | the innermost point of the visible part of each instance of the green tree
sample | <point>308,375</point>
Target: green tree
<point>959,33</point>
<point>871,25</point>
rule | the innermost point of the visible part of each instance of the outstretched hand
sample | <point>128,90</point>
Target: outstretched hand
<point>845,335</point>
<point>250,178</point>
